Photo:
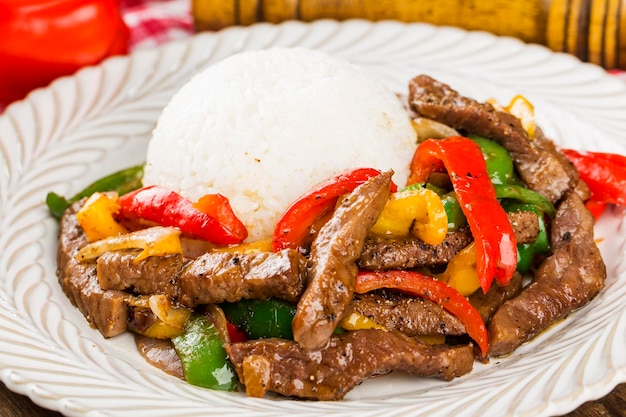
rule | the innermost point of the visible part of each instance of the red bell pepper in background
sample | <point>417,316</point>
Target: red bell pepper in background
<point>416,284</point>
<point>292,227</point>
<point>496,249</point>
<point>41,40</point>
<point>167,208</point>
<point>604,173</point>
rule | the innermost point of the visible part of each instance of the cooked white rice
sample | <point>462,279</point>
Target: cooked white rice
<point>263,127</point>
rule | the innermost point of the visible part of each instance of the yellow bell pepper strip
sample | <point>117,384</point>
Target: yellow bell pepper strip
<point>496,251</point>
<point>604,174</point>
<point>201,351</point>
<point>171,319</point>
<point>461,273</point>
<point>524,110</point>
<point>155,241</point>
<point>168,208</point>
<point>414,210</point>
<point>121,182</point>
<point>357,321</point>
<point>97,217</point>
<point>292,227</point>
<point>420,285</point>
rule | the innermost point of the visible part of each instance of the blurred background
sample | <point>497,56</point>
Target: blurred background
<point>41,40</point>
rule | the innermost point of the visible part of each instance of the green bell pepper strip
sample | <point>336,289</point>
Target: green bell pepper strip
<point>525,195</point>
<point>498,161</point>
<point>122,182</point>
<point>259,319</point>
<point>526,252</point>
<point>456,218</point>
<point>201,351</point>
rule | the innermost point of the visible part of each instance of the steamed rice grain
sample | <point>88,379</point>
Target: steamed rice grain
<point>262,127</point>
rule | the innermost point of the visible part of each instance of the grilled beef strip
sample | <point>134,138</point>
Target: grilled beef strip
<point>488,304</point>
<point>569,278</point>
<point>105,310</point>
<point>382,253</point>
<point>412,316</point>
<point>211,278</point>
<point>332,263</point>
<point>345,361</point>
<point>539,168</point>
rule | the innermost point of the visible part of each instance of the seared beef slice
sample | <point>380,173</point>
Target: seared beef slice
<point>347,359</point>
<point>570,277</point>
<point>332,264</point>
<point>104,309</point>
<point>538,167</point>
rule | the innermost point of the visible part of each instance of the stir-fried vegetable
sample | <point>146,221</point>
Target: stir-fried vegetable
<point>259,319</point>
<point>155,241</point>
<point>421,285</point>
<point>526,252</point>
<point>498,161</point>
<point>293,226</point>
<point>97,217</point>
<point>604,173</point>
<point>461,273</point>
<point>201,351</point>
<point>121,182</point>
<point>219,224</point>
<point>414,211</point>
<point>494,237</point>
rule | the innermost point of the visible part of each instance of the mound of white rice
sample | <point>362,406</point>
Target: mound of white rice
<point>263,127</point>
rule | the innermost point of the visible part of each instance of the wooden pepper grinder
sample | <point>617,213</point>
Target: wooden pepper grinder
<point>592,30</point>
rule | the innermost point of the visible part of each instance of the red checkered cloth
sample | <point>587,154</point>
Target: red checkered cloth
<point>153,22</point>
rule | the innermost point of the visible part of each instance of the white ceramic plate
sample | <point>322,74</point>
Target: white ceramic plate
<point>83,127</point>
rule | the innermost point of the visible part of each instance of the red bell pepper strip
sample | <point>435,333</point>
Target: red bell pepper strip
<point>293,225</point>
<point>496,248</point>
<point>604,174</point>
<point>420,285</point>
<point>41,40</point>
<point>234,334</point>
<point>168,208</point>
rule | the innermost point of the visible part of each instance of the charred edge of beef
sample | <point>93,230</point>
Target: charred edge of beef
<point>332,263</point>
<point>538,168</point>
<point>387,253</point>
<point>347,359</point>
<point>488,304</point>
<point>381,253</point>
<point>569,278</point>
<point>211,278</point>
<point>412,316</point>
<point>106,310</point>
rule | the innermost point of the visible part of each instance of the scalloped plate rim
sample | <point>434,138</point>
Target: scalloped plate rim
<point>37,391</point>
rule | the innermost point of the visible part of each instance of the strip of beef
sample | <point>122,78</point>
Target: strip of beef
<point>332,262</point>
<point>210,278</point>
<point>412,316</point>
<point>381,253</point>
<point>570,277</point>
<point>104,310</point>
<point>538,168</point>
<point>488,304</point>
<point>347,359</point>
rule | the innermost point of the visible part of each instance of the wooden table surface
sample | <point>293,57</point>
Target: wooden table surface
<point>613,405</point>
